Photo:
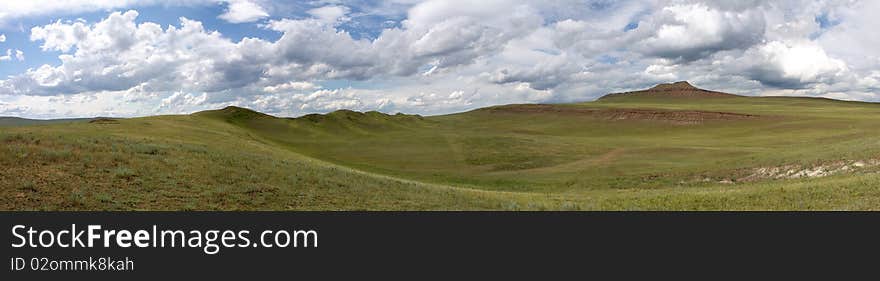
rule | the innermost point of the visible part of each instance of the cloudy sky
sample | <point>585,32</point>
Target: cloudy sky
<point>121,58</point>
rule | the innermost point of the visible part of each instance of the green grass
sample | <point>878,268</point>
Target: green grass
<point>190,163</point>
<point>497,158</point>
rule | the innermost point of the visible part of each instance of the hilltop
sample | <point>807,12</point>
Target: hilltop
<point>671,147</point>
<point>681,89</point>
<point>233,114</point>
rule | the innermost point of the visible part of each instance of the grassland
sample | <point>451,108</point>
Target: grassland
<point>619,153</point>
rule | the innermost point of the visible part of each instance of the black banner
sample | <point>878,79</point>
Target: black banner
<point>412,245</point>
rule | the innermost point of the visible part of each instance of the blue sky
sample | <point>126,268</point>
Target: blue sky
<point>136,58</point>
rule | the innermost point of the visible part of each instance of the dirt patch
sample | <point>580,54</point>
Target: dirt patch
<point>794,171</point>
<point>681,117</point>
<point>815,171</point>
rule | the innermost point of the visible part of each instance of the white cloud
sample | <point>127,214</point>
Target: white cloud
<point>117,53</point>
<point>2,38</point>
<point>330,14</point>
<point>794,65</point>
<point>694,31</point>
<point>12,54</point>
<point>855,38</point>
<point>182,101</point>
<point>444,56</point>
<point>241,11</point>
<point>60,36</point>
<point>662,72</point>
<point>295,86</point>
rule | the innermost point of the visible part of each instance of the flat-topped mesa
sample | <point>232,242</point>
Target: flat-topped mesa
<point>681,89</point>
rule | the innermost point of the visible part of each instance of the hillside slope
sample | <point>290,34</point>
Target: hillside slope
<point>194,163</point>
<point>658,150</point>
<point>629,142</point>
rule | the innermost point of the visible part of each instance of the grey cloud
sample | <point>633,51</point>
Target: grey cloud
<point>540,77</point>
<point>116,53</point>
<point>696,31</point>
<point>448,56</point>
<point>792,65</point>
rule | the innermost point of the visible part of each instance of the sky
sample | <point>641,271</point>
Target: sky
<point>121,58</point>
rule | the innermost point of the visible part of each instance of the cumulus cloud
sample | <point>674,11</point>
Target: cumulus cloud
<point>60,36</point>
<point>117,54</point>
<point>241,11</point>
<point>330,14</point>
<point>12,54</point>
<point>854,38</point>
<point>440,56</point>
<point>291,86</point>
<point>694,31</point>
<point>793,65</point>
<point>182,101</point>
<point>545,75</point>
<point>2,38</point>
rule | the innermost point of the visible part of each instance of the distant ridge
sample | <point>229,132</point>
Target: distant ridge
<point>681,89</point>
<point>17,121</point>
<point>235,114</point>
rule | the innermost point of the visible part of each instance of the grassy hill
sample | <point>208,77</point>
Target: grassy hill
<point>672,147</point>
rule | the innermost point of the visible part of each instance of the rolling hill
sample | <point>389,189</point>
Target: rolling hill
<point>681,89</point>
<point>671,147</point>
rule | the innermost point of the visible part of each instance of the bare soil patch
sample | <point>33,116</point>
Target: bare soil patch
<point>795,171</point>
<point>814,171</point>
